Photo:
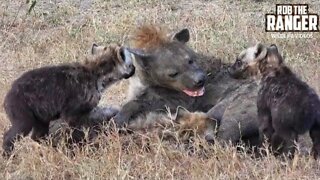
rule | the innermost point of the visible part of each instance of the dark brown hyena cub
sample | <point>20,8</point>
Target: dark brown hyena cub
<point>67,91</point>
<point>286,105</point>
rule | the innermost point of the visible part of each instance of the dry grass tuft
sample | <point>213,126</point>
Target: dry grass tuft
<point>62,31</point>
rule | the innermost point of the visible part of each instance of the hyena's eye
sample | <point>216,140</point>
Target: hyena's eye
<point>173,74</point>
<point>190,62</point>
<point>239,63</point>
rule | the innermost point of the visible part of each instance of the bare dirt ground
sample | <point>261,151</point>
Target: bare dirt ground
<point>58,31</point>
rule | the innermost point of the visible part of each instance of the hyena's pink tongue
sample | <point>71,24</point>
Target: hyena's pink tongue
<point>195,93</point>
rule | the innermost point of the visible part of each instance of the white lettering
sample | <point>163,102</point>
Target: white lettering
<point>296,23</point>
<point>304,22</point>
<point>271,22</point>
<point>288,23</point>
<point>279,24</point>
<point>313,23</point>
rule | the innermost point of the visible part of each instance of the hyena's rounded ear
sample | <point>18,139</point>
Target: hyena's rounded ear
<point>181,112</point>
<point>274,48</point>
<point>182,36</point>
<point>93,49</point>
<point>275,56</point>
<point>260,51</point>
<point>96,49</point>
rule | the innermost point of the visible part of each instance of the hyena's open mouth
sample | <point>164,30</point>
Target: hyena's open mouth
<point>195,93</point>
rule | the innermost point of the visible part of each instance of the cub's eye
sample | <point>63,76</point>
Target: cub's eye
<point>238,62</point>
<point>190,62</point>
<point>174,74</point>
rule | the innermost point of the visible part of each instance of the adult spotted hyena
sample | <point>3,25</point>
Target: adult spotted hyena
<point>68,91</point>
<point>167,74</point>
<point>231,97</point>
<point>287,106</point>
<point>236,113</point>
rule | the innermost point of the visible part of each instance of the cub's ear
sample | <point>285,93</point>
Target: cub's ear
<point>182,36</point>
<point>181,113</point>
<point>274,57</point>
<point>95,49</point>
<point>274,48</point>
<point>260,51</point>
<point>141,57</point>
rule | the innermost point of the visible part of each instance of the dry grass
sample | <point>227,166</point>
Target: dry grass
<point>62,31</point>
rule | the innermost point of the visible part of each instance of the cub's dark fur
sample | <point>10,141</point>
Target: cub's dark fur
<point>287,106</point>
<point>69,91</point>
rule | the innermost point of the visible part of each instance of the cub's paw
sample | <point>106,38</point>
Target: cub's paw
<point>103,113</point>
<point>120,120</point>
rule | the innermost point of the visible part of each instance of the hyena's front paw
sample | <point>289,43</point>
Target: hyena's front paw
<point>121,120</point>
<point>103,113</point>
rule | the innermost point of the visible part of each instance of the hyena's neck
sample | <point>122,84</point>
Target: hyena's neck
<point>98,66</point>
<point>103,82</point>
<point>97,74</point>
<point>274,72</point>
<point>136,87</point>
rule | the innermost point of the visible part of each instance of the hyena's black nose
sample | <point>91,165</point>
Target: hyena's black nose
<point>199,79</point>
